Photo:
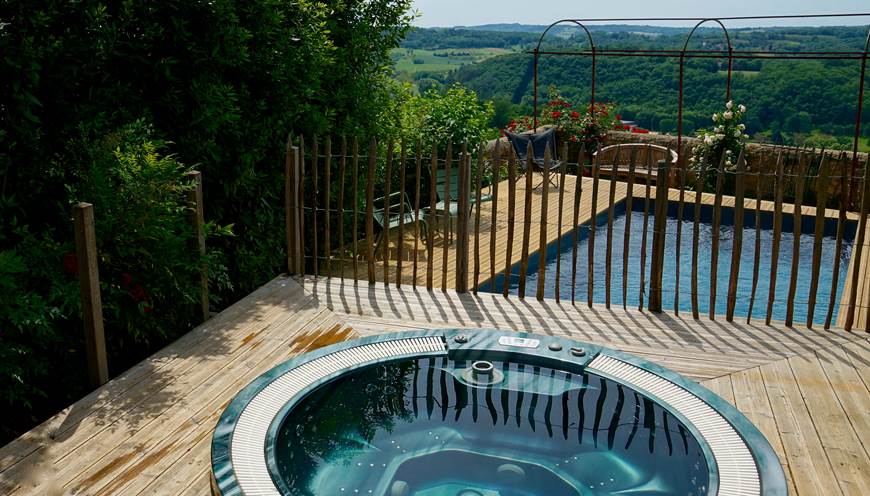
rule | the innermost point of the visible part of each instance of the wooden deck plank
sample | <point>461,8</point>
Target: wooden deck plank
<point>808,463</point>
<point>751,399</point>
<point>847,456</point>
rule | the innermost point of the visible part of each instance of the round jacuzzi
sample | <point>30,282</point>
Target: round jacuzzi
<point>484,413</point>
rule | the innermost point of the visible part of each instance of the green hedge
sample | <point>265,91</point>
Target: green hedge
<point>103,102</point>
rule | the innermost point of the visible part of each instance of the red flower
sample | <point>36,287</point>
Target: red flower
<point>556,114</point>
<point>138,293</point>
<point>618,117</point>
<point>575,114</point>
<point>639,130</point>
<point>126,279</point>
<point>147,309</point>
<point>70,263</point>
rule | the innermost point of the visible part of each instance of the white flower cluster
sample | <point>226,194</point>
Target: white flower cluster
<point>727,136</point>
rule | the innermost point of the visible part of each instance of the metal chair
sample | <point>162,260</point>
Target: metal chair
<point>395,202</point>
<point>539,143</point>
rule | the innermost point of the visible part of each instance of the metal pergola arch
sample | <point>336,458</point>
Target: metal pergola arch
<point>730,54</point>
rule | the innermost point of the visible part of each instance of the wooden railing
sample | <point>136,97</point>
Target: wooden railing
<point>458,216</point>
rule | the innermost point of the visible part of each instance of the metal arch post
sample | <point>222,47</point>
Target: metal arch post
<point>538,51</point>
<point>682,64</point>
<point>857,138</point>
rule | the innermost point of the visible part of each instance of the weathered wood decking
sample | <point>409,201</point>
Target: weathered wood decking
<point>148,431</point>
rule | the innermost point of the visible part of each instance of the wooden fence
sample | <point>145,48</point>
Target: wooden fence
<point>458,216</point>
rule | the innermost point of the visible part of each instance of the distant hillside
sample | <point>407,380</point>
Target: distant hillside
<point>788,100</point>
<point>572,28</point>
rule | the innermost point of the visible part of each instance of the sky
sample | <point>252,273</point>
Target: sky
<point>475,12</point>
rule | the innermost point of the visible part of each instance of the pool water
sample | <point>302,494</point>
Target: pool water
<point>419,427</point>
<point>564,252</point>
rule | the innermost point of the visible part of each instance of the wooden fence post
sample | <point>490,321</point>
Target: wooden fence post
<point>89,286</point>
<point>464,206</point>
<point>292,212</point>
<point>658,241</point>
<point>194,198</point>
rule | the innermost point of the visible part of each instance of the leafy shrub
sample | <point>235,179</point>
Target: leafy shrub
<point>455,114</point>
<point>148,266</point>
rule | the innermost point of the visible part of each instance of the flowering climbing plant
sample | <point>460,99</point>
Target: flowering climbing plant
<point>574,123</point>
<point>727,135</point>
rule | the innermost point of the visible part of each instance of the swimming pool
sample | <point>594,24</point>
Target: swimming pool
<point>484,413</point>
<point>563,250</point>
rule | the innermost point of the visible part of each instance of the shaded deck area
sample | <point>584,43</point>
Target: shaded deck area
<point>148,430</point>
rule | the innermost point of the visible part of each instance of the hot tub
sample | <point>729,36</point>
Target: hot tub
<point>484,413</point>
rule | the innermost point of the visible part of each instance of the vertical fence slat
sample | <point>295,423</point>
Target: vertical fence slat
<point>478,180</point>
<point>433,199</point>
<point>447,231</point>
<point>197,220</point>
<point>821,188</point>
<point>777,232</point>
<point>315,194</point>
<point>370,203</point>
<point>643,242</point>
<point>293,211</point>
<point>385,233</point>
<point>401,244</point>
<point>593,213</point>
<point>327,241</point>
<point>845,181</point>
<point>464,208</point>
<point>660,223</point>
<point>575,221</point>
<point>512,218</point>
<point>301,216</point>
<point>527,221</point>
<point>418,165</point>
<point>737,239</point>
<point>89,288</point>
<point>717,221</point>
<point>626,236</point>
<point>290,207</point>
<point>681,203</point>
<point>542,240</point>
<point>756,263</point>
<point>796,245</point>
<point>341,216</point>
<point>858,251</point>
<point>611,198</point>
<point>355,179</point>
<point>558,274</point>
<point>700,178</point>
<point>493,224</point>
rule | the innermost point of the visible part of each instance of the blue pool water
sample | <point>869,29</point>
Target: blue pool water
<point>563,252</point>
<point>419,427</point>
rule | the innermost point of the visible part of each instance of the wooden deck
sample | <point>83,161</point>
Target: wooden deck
<point>148,430</point>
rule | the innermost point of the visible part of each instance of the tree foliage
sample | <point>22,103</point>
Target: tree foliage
<point>219,85</point>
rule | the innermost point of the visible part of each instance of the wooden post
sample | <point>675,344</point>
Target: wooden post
<point>89,287</point>
<point>463,202</point>
<point>194,198</point>
<point>292,212</point>
<point>737,240</point>
<point>658,240</point>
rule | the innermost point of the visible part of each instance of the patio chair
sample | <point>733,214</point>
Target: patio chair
<point>540,142</point>
<point>395,202</point>
<point>453,208</point>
